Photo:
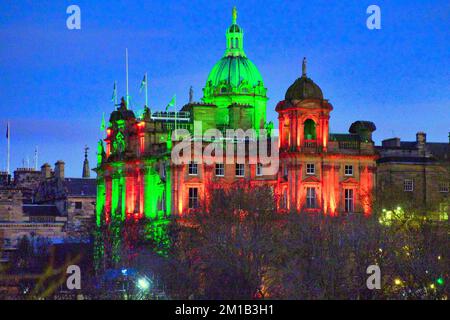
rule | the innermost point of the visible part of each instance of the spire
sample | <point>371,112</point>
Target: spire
<point>234,15</point>
<point>86,171</point>
<point>304,67</point>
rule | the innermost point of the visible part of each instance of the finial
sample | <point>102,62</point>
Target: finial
<point>234,14</point>
<point>86,148</point>
<point>304,67</point>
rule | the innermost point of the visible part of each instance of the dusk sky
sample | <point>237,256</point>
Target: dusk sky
<point>55,83</point>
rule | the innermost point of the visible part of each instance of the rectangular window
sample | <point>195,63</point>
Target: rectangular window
<point>408,185</point>
<point>193,168</point>
<point>310,168</point>
<point>220,170</point>
<point>78,205</point>
<point>193,198</point>
<point>348,200</point>
<point>311,198</point>
<point>240,170</point>
<point>444,187</point>
<point>348,170</point>
<point>259,168</point>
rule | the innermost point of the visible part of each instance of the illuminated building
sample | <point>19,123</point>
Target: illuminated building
<point>318,172</point>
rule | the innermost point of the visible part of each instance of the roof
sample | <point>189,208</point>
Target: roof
<point>303,88</point>
<point>80,187</point>
<point>40,210</point>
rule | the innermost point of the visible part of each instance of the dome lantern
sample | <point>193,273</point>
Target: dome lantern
<point>235,37</point>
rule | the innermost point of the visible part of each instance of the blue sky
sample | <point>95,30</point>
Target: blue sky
<point>55,83</point>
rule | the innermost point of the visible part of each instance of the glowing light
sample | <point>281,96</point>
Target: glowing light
<point>397,282</point>
<point>432,286</point>
<point>440,281</point>
<point>143,284</point>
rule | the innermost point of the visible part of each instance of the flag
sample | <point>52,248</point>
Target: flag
<point>7,130</point>
<point>114,95</point>
<point>143,83</point>
<point>103,125</point>
<point>172,102</point>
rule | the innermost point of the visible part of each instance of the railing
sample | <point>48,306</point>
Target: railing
<point>179,116</point>
<point>349,145</point>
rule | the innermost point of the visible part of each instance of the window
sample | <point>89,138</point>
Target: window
<point>193,198</point>
<point>240,170</point>
<point>259,168</point>
<point>220,170</point>
<point>310,198</point>
<point>408,185</point>
<point>193,168</point>
<point>348,200</point>
<point>310,168</point>
<point>309,130</point>
<point>285,170</point>
<point>78,205</point>
<point>444,187</point>
<point>348,170</point>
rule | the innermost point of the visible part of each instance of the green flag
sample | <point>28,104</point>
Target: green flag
<point>172,102</point>
<point>103,125</point>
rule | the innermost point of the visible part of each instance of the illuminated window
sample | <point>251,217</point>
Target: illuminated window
<point>240,170</point>
<point>348,200</point>
<point>408,185</point>
<point>444,187</point>
<point>193,168</point>
<point>259,168</point>
<point>311,198</point>
<point>310,168</point>
<point>309,130</point>
<point>348,170</point>
<point>193,198</point>
<point>220,170</point>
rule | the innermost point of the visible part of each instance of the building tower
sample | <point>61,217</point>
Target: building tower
<point>322,172</point>
<point>235,87</point>
<point>86,171</point>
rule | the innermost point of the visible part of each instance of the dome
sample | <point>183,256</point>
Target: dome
<point>234,73</point>
<point>304,88</point>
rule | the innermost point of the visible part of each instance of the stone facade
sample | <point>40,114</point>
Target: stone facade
<point>415,174</point>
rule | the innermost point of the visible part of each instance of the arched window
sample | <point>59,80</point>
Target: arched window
<point>237,43</point>
<point>309,130</point>
<point>223,89</point>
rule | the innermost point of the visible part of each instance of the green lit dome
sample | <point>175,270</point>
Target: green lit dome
<point>234,73</point>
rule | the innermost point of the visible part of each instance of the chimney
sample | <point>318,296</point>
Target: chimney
<point>421,139</point>
<point>59,169</point>
<point>46,171</point>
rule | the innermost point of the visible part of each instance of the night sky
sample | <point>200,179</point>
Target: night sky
<point>55,83</point>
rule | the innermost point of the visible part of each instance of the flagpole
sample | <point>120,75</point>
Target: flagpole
<point>175,106</point>
<point>36,158</point>
<point>126,67</point>
<point>146,90</point>
<point>8,130</point>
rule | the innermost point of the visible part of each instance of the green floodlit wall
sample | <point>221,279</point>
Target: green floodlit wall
<point>100,204</point>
